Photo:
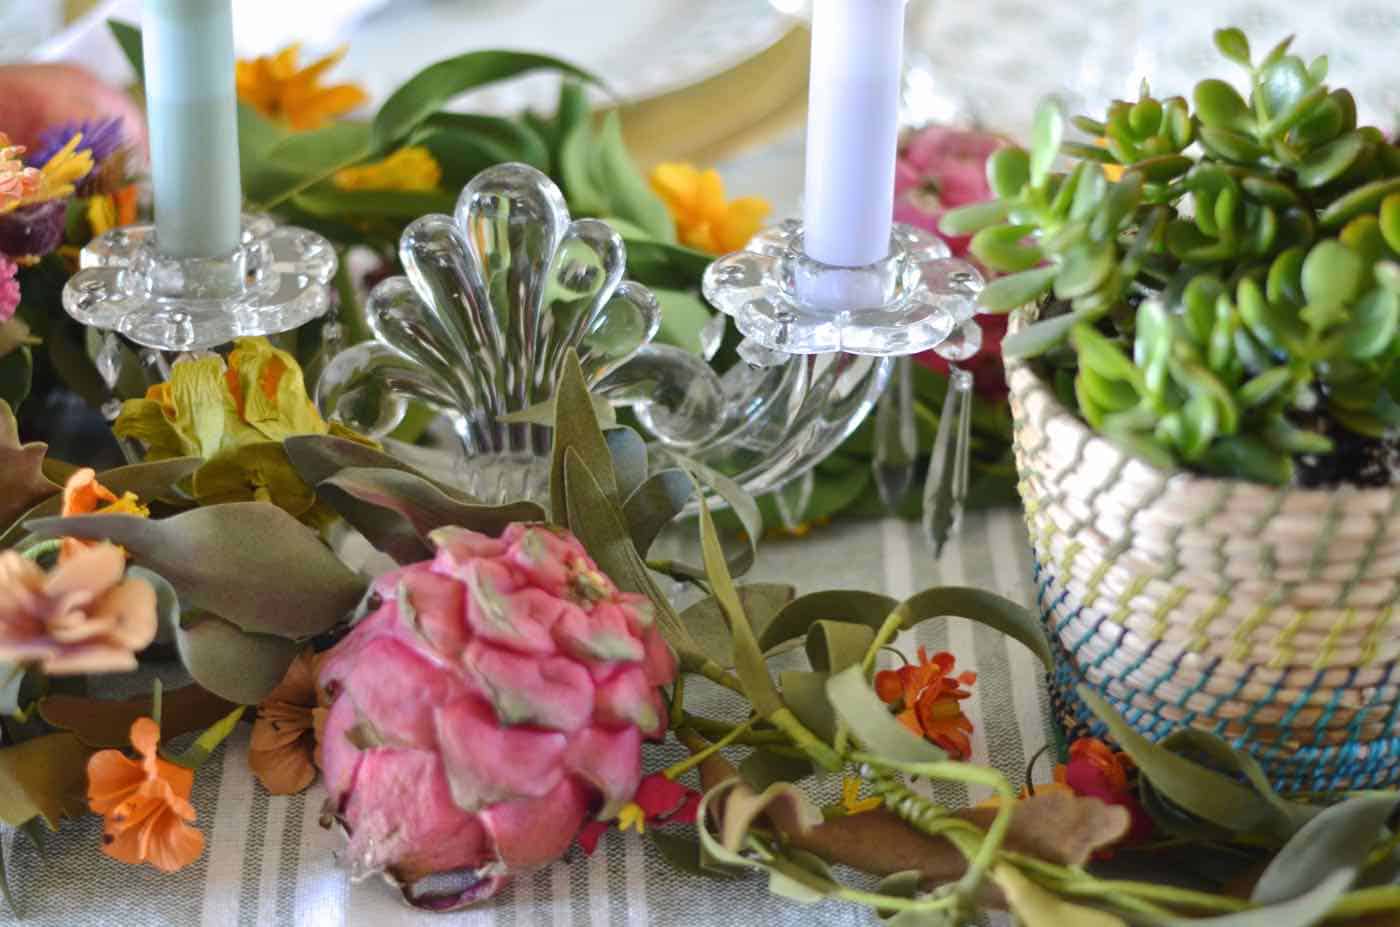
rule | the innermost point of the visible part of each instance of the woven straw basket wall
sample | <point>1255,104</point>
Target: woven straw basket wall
<point>1262,614</point>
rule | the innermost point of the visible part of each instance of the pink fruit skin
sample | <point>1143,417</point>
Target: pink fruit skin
<point>495,699</point>
<point>34,97</point>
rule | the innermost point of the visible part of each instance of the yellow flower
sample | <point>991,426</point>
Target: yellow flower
<point>632,817</point>
<point>235,416</point>
<point>58,177</point>
<point>408,169</point>
<point>851,800</point>
<point>704,219</point>
<point>1113,172</point>
<point>84,495</point>
<point>107,211</point>
<point>277,88</point>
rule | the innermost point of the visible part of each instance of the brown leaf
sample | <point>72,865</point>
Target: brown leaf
<point>22,480</point>
<point>99,723</point>
<point>1055,827</point>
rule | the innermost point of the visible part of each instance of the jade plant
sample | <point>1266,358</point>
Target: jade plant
<point>1218,280</point>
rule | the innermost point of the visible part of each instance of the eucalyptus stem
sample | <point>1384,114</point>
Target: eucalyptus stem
<point>676,770</point>
<point>817,749</point>
<point>351,313</point>
<point>678,702</point>
<point>704,666</point>
<point>710,727</point>
<point>1375,900</point>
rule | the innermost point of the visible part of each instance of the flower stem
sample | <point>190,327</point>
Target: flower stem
<point>677,770</point>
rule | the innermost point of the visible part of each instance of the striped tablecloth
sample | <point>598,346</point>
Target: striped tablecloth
<point>269,863</point>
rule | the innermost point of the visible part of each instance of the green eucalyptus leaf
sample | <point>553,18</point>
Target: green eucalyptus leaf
<point>834,645</point>
<point>1203,792</point>
<point>871,723</point>
<point>1016,290</point>
<point>436,85</point>
<point>804,691</point>
<point>682,851</point>
<point>705,620</point>
<point>655,503</point>
<point>209,553</point>
<point>236,665</point>
<point>743,505</point>
<point>763,768</point>
<point>317,458</point>
<point>423,504</point>
<point>16,375</point>
<point>798,616</point>
<point>576,429</point>
<point>629,458</point>
<point>1047,133</point>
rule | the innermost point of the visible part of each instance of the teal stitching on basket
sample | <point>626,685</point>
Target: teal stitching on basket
<point>1353,764</point>
<point>1098,661</point>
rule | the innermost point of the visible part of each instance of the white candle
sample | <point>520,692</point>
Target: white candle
<point>192,109</point>
<point>852,130</point>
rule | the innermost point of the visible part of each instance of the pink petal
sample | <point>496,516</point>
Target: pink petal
<point>395,690</point>
<point>659,661</point>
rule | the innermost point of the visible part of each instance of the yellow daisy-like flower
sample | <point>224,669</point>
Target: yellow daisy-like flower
<point>851,800</point>
<point>408,169</point>
<point>59,176</point>
<point>276,87</point>
<point>705,220</point>
<point>1114,172</point>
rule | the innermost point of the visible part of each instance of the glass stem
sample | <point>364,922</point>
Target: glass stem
<point>945,490</point>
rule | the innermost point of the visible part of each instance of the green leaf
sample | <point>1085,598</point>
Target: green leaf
<point>705,620</point>
<point>682,851</point>
<point>1332,274</point>
<point>301,159</point>
<point>984,608</point>
<point>1219,105</point>
<point>629,458</point>
<point>740,503</point>
<point>834,645</point>
<point>576,429</point>
<point>1203,792</point>
<point>628,193</point>
<point>205,744</point>
<point>683,317</point>
<point>805,693</point>
<point>43,777</point>
<point>1040,336</point>
<point>1372,327</point>
<point>235,665</point>
<point>655,504</point>
<point>331,202</point>
<point>1365,198</point>
<point>16,375</point>
<point>748,658</point>
<point>502,139</point>
<point>1047,132</point>
<point>1233,45</point>
<point>658,264</point>
<point>972,218</point>
<point>378,503</point>
<point>799,615</point>
<point>208,555</point>
<point>871,723</point>
<point>128,37</point>
<point>1016,290</point>
<point>1323,165</point>
<point>763,768</point>
<point>1004,248</point>
<point>1008,170</point>
<point>434,86</point>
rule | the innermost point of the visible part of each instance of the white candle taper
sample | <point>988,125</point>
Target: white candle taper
<point>852,130</point>
<point>192,110</point>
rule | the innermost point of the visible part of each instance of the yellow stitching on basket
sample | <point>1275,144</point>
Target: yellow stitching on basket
<point>1329,643</point>
<point>1067,561</point>
<point>1096,578</point>
<point>1125,601</point>
<point>1199,638</point>
<point>1246,630</point>
<point>1368,647</point>
<point>1159,615</point>
<point>1285,640</point>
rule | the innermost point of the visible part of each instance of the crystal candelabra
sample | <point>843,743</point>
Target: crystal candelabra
<point>495,295</point>
<point>274,281</point>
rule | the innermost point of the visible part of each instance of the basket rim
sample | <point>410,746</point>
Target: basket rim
<point>1025,383</point>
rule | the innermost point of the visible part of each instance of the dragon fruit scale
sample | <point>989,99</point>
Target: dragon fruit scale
<point>495,698</point>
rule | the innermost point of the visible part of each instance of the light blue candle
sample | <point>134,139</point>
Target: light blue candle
<point>192,109</point>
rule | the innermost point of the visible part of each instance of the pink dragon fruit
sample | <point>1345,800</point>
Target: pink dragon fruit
<point>495,699</point>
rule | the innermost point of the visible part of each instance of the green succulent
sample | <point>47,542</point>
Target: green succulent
<point>1235,287</point>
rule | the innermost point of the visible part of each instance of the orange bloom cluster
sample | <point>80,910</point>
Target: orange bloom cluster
<point>145,804</point>
<point>930,698</point>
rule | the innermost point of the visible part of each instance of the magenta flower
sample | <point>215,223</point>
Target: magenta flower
<point>9,288</point>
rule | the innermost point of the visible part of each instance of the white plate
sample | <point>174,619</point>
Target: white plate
<point>640,48</point>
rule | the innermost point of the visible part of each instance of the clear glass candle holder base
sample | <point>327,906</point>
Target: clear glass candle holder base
<point>276,280</point>
<point>785,301</point>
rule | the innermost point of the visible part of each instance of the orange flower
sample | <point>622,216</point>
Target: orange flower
<point>705,220</point>
<point>276,87</point>
<point>83,495</point>
<point>929,696</point>
<point>283,750</point>
<point>145,804</point>
<point>1112,768</point>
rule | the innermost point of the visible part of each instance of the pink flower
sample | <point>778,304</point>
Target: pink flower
<point>941,168</point>
<point>9,288</point>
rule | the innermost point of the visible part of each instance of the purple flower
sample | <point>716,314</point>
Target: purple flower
<point>102,137</point>
<point>33,231</point>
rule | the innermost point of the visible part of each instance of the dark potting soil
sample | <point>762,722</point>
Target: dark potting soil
<point>1358,460</point>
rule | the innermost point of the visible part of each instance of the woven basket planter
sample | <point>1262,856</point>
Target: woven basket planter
<point>1263,614</point>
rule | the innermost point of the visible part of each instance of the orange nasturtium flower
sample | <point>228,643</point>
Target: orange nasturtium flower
<point>145,804</point>
<point>83,495</point>
<point>283,750</point>
<point>705,220</point>
<point>929,697</point>
<point>276,87</point>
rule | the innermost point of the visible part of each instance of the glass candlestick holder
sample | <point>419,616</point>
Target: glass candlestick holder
<point>274,281</point>
<point>788,302</point>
